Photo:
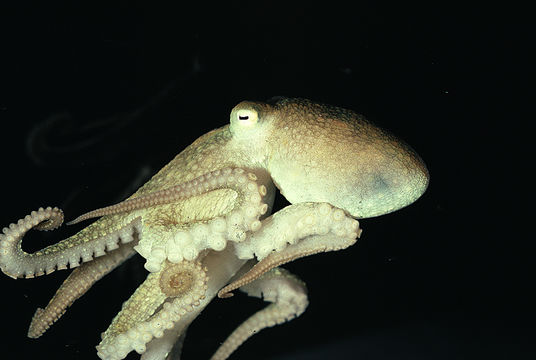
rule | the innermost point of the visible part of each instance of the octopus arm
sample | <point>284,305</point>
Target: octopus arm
<point>156,305</point>
<point>177,232</point>
<point>304,229</point>
<point>93,241</point>
<point>76,285</point>
<point>154,320</point>
<point>218,179</point>
<point>288,297</point>
<point>167,347</point>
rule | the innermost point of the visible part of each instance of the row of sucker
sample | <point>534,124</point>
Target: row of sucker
<point>288,297</point>
<point>184,284</point>
<point>204,183</point>
<point>213,234</point>
<point>311,228</point>
<point>76,284</point>
<point>67,253</point>
<point>288,229</point>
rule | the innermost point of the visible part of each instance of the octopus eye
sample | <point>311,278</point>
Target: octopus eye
<point>247,116</point>
<point>245,119</point>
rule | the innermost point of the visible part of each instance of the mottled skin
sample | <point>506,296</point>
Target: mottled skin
<point>197,226</point>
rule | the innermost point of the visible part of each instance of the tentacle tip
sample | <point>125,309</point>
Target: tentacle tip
<point>32,334</point>
<point>225,295</point>
<point>35,331</point>
<point>72,222</point>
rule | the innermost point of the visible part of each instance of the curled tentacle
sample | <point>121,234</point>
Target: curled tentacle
<point>76,285</point>
<point>160,302</point>
<point>186,241</point>
<point>221,266</point>
<point>208,182</point>
<point>17,263</point>
<point>304,229</point>
<point>288,297</point>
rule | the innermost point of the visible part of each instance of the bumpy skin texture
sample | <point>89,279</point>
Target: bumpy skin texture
<point>203,222</point>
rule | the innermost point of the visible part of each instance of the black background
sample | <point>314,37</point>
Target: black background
<point>96,98</point>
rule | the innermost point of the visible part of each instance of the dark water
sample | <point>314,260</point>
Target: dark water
<point>95,99</point>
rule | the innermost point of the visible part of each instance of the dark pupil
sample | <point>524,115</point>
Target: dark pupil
<point>243,117</point>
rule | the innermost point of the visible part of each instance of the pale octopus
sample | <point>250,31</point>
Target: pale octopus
<point>204,227</point>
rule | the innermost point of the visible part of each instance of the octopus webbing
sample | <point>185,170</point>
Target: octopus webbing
<point>204,225</point>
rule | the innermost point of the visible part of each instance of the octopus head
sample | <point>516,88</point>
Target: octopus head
<point>321,153</point>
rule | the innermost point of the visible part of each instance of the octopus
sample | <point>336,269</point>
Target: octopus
<point>205,228</point>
